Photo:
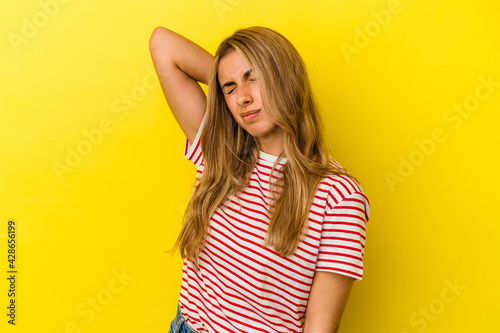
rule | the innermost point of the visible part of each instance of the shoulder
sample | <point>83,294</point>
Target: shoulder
<point>337,188</point>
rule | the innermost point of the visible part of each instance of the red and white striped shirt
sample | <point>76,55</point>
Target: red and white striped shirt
<point>242,286</point>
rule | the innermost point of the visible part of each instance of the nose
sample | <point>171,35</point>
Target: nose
<point>243,95</point>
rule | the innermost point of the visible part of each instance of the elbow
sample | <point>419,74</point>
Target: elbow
<point>162,47</point>
<point>157,37</point>
<point>162,39</point>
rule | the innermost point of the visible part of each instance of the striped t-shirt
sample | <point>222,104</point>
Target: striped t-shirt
<point>242,286</point>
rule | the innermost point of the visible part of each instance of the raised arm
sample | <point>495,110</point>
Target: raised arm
<point>180,65</point>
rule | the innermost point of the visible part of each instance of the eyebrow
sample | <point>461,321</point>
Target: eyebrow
<point>245,76</point>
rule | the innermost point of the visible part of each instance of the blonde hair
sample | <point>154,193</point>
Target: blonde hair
<point>230,153</point>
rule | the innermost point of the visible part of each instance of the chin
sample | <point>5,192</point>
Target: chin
<point>258,133</point>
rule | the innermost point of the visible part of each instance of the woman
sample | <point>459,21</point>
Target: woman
<point>274,234</point>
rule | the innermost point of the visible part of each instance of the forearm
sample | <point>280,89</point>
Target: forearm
<point>327,300</point>
<point>168,47</point>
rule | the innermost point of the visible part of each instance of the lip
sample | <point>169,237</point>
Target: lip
<point>249,115</point>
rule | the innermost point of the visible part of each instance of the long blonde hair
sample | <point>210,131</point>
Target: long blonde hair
<point>230,153</point>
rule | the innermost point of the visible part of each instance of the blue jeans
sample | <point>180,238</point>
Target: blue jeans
<point>179,325</point>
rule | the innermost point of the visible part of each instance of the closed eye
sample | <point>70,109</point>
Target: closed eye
<point>250,79</point>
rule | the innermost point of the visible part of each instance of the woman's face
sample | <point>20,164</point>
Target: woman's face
<point>243,98</point>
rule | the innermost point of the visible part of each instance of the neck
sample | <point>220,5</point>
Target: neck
<point>272,143</point>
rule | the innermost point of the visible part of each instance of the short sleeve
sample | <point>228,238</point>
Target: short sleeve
<point>192,150</point>
<point>343,234</point>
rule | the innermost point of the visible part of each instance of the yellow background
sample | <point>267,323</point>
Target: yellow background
<point>432,246</point>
